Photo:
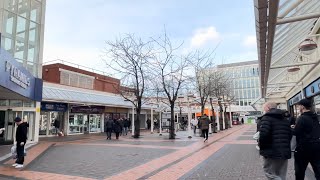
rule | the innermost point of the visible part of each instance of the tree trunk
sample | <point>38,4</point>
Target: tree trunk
<point>202,109</point>
<point>171,132</point>
<point>137,124</point>
<point>226,117</point>
<point>221,115</point>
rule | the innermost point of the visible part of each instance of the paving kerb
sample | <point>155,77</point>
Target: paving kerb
<point>155,165</point>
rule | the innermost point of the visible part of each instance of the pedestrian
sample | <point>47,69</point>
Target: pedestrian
<point>194,123</point>
<point>148,123</point>
<point>204,125</point>
<point>274,142</point>
<point>21,139</point>
<point>109,128</point>
<point>117,128</point>
<point>56,125</point>
<point>125,126</point>
<point>122,125</point>
<point>258,132</point>
<point>307,132</point>
<point>242,121</point>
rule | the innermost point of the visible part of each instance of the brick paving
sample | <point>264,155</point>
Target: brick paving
<point>228,155</point>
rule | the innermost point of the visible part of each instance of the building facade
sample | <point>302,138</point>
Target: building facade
<point>80,101</point>
<point>244,79</point>
<point>22,31</point>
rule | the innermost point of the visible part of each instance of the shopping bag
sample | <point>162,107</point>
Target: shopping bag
<point>256,135</point>
<point>14,152</point>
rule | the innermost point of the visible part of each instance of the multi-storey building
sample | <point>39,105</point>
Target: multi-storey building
<point>244,79</point>
<point>22,30</point>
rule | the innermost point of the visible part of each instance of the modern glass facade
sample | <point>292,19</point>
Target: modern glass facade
<point>245,82</point>
<point>22,28</point>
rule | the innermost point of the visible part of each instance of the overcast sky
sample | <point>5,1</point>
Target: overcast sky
<point>76,30</point>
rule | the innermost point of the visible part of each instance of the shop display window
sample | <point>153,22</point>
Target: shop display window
<point>317,105</point>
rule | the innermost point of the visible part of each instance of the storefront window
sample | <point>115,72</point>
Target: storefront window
<point>28,104</point>
<point>78,123</point>
<point>15,103</point>
<point>95,123</point>
<point>4,103</point>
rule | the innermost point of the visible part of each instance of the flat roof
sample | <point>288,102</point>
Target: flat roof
<point>238,64</point>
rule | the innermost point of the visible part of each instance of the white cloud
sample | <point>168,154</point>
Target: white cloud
<point>203,36</point>
<point>250,41</point>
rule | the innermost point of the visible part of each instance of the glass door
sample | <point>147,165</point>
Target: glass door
<point>2,124</point>
<point>95,121</point>
<point>29,117</point>
<point>10,125</point>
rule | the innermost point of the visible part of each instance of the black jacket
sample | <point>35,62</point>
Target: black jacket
<point>109,124</point>
<point>275,135</point>
<point>258,123</point>
<point>117,128</point>
<point>126,123</point>
<point>22,131</point>
<point>307,131</point>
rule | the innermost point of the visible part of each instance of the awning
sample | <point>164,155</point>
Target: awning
<point>66,94</point>
<point>281,25</point>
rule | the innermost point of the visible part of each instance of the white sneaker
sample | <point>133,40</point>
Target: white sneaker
<point>18,166</point>
<point>14,165</point>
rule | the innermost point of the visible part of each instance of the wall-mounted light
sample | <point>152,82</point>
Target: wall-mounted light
<point>293,69</point>
<point>308,46</point>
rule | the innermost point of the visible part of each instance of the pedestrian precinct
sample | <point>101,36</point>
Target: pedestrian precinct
<point>109,128</point>
<point>274,142</point>
<point>307,132</point>
<point>204,125</point>
<point>21,139</point>
<point>117,127</point>
<point>194,123</point>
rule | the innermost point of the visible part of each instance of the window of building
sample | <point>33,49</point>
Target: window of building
<point>241,103</point>
<point>75,79</point>
<point>245,103</point>
<point>248,83</point>
<point>257,93</point>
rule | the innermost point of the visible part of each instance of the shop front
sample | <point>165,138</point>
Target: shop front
<point>51,112</point>
<point>85,119</point>
<point>292,103</point>
<point>20,94</point>
<point>313,92</point>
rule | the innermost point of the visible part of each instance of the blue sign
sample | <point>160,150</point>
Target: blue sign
<point>16,78</point>
<point>51,106</point>
<point>313,89</point>
<point>295,99</point>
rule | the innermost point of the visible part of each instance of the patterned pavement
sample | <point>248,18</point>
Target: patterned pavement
<point>228,155</point>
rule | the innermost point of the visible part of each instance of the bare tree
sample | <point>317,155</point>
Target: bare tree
<point>171,69</point>
<point>221,89</point>
<point>129,57</point>
<point>202,63</point>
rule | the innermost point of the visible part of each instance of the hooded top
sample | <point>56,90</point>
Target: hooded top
<point>275,135</point>
<point>307,129</point>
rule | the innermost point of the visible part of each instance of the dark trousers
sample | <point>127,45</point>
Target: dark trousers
<point>301,161</point>
<point>20,153</point>
<point>194,129</point>
<point>205,133</point>
<point>109,131</point>
<point>117,135</point>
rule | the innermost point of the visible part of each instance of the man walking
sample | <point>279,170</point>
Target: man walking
<point>194,123</point>
<point>109,128</point>
<point>204,125</point>
<point>125,126</point>
<point>307,132</point>
<point>274,142</point>
<point>21,138</point>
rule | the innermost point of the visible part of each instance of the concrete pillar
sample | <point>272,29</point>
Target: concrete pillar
<point>132,121</point>
<point>218,121</point>
<point>36,122</point>
<point>152,120</point>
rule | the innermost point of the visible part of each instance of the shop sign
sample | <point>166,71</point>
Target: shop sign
<point>48,106</point>
<point>313,89</point>
<point>88,109</point>
<point>16,78</point>
<point>295,99</point>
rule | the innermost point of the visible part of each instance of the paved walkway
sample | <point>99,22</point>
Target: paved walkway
<point>228,155</point>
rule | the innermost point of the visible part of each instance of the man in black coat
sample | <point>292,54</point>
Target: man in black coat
<point>307,131</point>
<point>109,128</point>
<point>21,138</point>
<point>274,142</point>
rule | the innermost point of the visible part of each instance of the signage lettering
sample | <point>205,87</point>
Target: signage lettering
<point>17,76</point>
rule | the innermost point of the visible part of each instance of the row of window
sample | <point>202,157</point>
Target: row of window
<point>242,72</point>
<point>246,93</point>
<point>244,102</point>
<point>21,31</point>
<point>246,83</point>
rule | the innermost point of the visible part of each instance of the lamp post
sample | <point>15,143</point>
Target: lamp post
<point>152,119</point>
<point>160,123</point>
<point>189,116</point>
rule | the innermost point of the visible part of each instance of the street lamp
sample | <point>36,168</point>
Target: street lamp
<point>308,46</point>
<point>189,116</point>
